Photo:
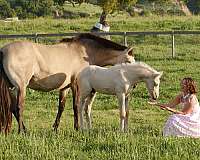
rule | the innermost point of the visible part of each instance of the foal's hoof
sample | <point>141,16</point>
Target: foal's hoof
<point>152,102</point>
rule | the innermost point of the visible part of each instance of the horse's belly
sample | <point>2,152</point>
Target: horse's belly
<point>56,81</point>
<point>106,89</point>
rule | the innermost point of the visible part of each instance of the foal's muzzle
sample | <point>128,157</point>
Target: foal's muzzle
<point>154,96</point>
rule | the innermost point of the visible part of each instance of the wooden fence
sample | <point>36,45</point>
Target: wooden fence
<point>124,34</point>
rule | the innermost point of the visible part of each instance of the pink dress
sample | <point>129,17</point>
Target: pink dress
<point>184,125</point>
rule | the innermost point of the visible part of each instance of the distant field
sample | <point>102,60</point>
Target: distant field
<point>144,139</point>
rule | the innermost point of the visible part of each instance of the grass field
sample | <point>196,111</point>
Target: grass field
<point>144,138</point>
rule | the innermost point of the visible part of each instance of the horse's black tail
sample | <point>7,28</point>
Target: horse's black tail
<point>5,100</point>
<point>76,90</point>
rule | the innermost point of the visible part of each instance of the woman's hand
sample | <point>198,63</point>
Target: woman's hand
<point>163,107</point>
<point>166,107</point>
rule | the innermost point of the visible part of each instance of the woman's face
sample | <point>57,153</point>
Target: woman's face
<point>184,86</point>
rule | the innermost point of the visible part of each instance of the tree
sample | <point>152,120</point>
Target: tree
<point>32,8</point>
<point>73,2</point>
<point>183,6</point>
<point>194,6</point>
<point>59,2</point>
<point>181,3</point>
<point>45,7</point>
<point>109,6</point>
<point>5,9</point>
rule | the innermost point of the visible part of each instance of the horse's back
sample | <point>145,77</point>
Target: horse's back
<point>46,67</point>
<point>101,79</point>
<point>23,60</point>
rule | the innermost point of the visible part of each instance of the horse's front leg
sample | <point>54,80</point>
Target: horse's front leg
<point>61,106</point>
<point>121,99</point>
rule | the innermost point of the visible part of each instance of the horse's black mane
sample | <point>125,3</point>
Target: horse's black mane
<point>101,41</point>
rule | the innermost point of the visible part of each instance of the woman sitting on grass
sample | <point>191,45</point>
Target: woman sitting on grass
<point>184,123</point>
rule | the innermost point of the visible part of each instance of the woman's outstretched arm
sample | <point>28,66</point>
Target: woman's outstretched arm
<point>173,103</point>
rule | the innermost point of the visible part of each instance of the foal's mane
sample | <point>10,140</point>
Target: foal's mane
<point>148,67</point>
<point>100,41</point>
<point>139,64</point>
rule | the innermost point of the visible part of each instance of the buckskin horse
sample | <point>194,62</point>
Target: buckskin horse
<point>50,67</point>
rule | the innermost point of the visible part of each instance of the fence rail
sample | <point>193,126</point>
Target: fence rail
<point>124,34</point>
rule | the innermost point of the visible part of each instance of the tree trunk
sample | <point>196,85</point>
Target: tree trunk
<point>56,14</point>
<point>183,7</point>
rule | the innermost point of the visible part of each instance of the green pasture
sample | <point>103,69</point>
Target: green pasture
<point>144,138</point>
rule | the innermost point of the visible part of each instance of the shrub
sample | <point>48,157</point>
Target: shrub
<point>32,8</point>
<point>5,9</point>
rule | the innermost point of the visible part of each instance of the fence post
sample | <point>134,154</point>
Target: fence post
<point>36,37</point>
<point>173,45</point>
<point>125,39</point>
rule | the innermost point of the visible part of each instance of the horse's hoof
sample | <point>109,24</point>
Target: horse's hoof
<point>55,127</point>
<point>152,102</point>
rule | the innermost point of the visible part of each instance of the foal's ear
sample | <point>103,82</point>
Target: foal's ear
<point>129,51</point>
<point>161,73</point>
<point>158,74</point>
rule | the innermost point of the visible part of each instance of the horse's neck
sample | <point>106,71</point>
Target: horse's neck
<point>104,57</point>
<point>136,74</point>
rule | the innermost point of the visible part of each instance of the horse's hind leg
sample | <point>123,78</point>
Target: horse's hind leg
<point>82,106</point>
<point>127,113</point>
<point>18,107</point>
<point>61,106</point>
<point>88,107</point>
<point>75,108</point>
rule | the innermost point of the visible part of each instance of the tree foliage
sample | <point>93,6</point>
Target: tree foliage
<point>110,6</point>
<point>5,9</point>
<point>27,8</point>
<point>194,6</point>
<point>59,2</point>
<point>36,8</point>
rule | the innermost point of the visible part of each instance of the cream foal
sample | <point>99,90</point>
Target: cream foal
<point>116,80</point>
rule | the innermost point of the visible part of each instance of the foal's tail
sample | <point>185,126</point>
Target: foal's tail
<point>5,100</point>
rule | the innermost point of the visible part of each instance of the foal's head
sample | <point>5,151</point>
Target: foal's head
<point>153,83</point>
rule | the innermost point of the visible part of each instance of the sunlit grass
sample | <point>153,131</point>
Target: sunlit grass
<point>144,138</point>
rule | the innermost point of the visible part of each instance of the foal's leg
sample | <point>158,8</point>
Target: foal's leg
<point>88,107</point>
<point>61,106</point>
<point>127,113</point>
<point>121,99</point>
<point>82,106</point>
<point>18,107</point>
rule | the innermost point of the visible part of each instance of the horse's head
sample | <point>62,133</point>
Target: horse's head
<point>153,83</point>
<point>112,57</point>
<point>126,57</point>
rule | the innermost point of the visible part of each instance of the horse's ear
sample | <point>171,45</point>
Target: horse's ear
<point>161,73</point>
<point>129,51</point>
<point>158,74</point>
